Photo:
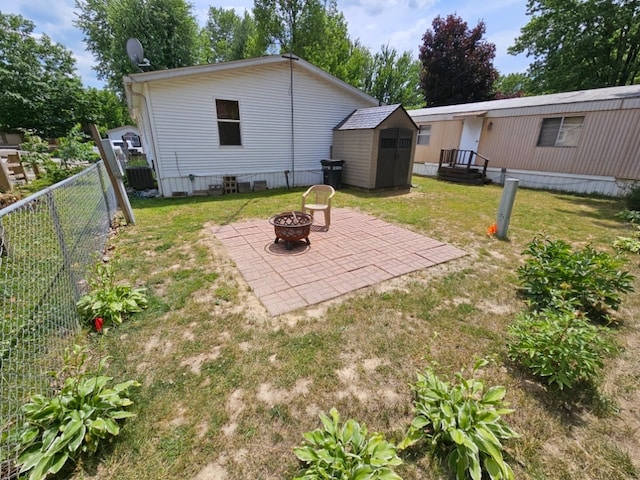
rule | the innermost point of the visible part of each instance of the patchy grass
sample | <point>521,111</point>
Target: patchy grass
<point>228,391</point>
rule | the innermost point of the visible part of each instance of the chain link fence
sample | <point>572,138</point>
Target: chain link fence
<point>48,245</point>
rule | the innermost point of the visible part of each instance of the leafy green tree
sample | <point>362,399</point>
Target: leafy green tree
<point>581,44</point>
<point>457,64</point>
<point>105,109</point>
<point>314,30</point>
<point>40,90</point>
<point>74,147</point>
<point>512,85</point>
<point>394,78</point>
<point>228,36</point>
<point>167,29</point>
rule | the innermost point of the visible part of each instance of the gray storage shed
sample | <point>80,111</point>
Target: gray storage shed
<point>377,145</point>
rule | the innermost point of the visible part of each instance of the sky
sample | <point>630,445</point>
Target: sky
<point>398,23</point>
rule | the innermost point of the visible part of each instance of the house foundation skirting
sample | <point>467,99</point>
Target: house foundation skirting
<point>609,186</point>
<point>195,184</point>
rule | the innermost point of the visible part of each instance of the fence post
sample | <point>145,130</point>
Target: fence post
<point>506,205</point>
<point>118,187</point>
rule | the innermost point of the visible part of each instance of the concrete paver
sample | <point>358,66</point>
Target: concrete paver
<point>358,250</point>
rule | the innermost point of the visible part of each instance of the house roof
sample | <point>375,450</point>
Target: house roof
<point>472,109</point>
<point>367,118</point>
<point>133,83</point>
<point>123,127</point>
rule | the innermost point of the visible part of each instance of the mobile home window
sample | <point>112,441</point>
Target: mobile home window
<point>228,113</point>
<point>560,131</point>
<point>424,135</point>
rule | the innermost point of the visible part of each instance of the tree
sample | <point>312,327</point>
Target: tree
<point>105,109</point>
<point>512,85</point>
<point>40,89</point>
<point>227,36</point>
<point>457,64</point>
<point>581,44</point>
<point>394,79</point>
<point>316,31</point>
<point>167,30</point>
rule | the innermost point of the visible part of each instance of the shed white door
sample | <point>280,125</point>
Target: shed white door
<point>470,137</point>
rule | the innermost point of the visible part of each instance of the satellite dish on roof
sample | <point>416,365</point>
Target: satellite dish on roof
<point>136,53</point>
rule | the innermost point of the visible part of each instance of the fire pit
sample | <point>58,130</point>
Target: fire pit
<point>291,227</point>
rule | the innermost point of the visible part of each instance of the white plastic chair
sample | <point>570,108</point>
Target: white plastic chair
<point>318,199</point>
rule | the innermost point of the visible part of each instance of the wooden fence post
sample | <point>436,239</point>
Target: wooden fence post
<point>115,177</point>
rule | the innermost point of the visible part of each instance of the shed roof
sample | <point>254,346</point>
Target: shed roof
<point>595,95</point>
<point>367,118</point>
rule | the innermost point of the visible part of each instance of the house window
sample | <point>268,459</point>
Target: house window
<point>228,112</point>
<point>424,135</point>
<point>560,131</point>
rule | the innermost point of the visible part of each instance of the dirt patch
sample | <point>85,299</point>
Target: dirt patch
<point>494,308</point>
<point>195,363</point>
<point>353,386</point>
<point>270,395</point>
<point>235,406</point>
<point>213,471</point>
<point>158,346</point>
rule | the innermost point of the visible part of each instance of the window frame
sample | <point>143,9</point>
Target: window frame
<point>227,118</point>
<point>564,137</point>
<point>422,135</point>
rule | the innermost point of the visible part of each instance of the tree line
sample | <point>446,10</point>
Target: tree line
<point>576,44</point>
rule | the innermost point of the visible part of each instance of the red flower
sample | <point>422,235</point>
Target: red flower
<point>97,323</point>
<point>492,230</point>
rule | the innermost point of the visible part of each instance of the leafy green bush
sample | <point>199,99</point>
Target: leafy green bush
<point>35,150</point>
<point>74,147</point>
<point>345,453</point>
<point>462,422</point>
<point>560,345</point>
<point>632,198</point>
<point>590,279</point>
<point>631,216</point>
<point>629,244</point>
<point>74,421</point>
<point>108,300</point>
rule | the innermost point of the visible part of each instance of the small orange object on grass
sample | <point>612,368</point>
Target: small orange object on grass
<point>492,230</point>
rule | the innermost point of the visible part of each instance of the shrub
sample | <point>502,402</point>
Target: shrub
<point>110,301</point>
<point>35,150</point>
<point>629,244</point>
<point>631,216</point>
<point>590,279</point>
<point>72,422</point>
<point>632,198</point>
<point>560,345</point>
<point>345,453</point>
<point>462,422</point>
<point>74,147</point>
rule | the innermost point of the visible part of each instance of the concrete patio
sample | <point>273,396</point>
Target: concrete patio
<point>358,251</point>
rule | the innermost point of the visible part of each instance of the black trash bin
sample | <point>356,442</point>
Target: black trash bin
<point>332,172</point>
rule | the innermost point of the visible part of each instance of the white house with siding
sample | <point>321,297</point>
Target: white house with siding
<point>252,119</point>
<point>584,141</point>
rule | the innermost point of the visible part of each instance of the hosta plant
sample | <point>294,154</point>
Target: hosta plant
<point>560,345</point>
<point>592,280</point>
<point>344,452</point>
<point>629,244</point>
<point>108,300</point>
<point>74,421</point>
<point>463,423</point>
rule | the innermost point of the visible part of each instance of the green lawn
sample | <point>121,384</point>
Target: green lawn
<point>228,391</point>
